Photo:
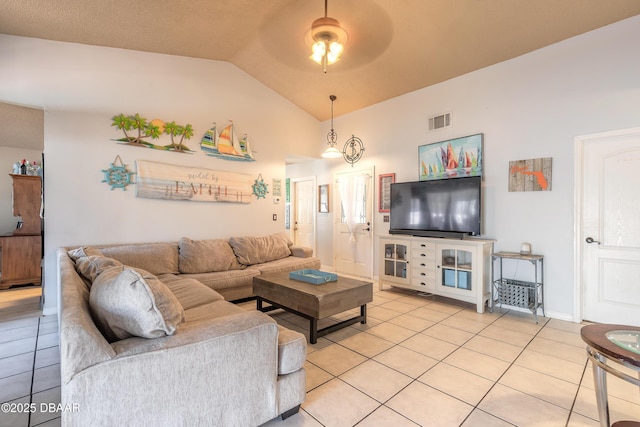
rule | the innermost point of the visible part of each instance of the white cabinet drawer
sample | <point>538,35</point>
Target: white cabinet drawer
<point>423,246</point>
<point>423,255</point>
<point>423,278</point>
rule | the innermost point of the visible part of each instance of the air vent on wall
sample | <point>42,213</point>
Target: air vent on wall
<point>440,121</point>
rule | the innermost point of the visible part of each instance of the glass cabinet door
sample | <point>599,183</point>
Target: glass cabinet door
<point>456,268</point>
<point>395,260</point>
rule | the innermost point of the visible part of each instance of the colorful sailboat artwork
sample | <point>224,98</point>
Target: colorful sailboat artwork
<point>451,159</point>
<point>226,145</point>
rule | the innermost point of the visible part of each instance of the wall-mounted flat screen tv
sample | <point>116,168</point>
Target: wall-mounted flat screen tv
<point>437,208</point>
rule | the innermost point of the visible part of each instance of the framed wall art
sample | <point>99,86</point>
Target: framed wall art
<point>384,191</point>
<point>453,158</point>
<point>323,198</point>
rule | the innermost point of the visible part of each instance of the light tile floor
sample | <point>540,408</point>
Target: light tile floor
<point>419,360</point>
<point>29,372</point>
<point>432,361</point>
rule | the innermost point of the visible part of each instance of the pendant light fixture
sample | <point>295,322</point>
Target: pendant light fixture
<point>327,39</point>
<point>332,138</point>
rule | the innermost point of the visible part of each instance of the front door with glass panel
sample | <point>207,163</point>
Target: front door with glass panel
<point>354,225</point>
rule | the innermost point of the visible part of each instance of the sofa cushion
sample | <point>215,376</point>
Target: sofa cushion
<point>220,280</point>
<point>156,258</point>
<point>189,292</point>
<point>129,302</point>
<point>90,267</point>
<point>287,264</point>
<point>204,256</point>
<point>212,311</point>
<point>255,250</point>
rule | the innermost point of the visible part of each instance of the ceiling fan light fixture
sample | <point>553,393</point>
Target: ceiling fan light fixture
<point>319,49</point>
<point>327,39</point>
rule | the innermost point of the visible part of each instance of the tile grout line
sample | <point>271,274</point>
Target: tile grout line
<point>476,406</point>
<point>33,370</point>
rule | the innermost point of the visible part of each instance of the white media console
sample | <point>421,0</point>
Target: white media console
<point>454,268</point>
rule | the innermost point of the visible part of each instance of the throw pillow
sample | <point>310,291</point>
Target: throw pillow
<point>83,251</point>
<point>128,302</point>
<point>205,256</point>
<point>256,250</point>
<point>90,267</point>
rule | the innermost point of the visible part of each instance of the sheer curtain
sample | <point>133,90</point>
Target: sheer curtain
<point>353,196</point>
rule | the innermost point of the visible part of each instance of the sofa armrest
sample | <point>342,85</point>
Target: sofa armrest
<point>301,251</point>
<point>220,371</point>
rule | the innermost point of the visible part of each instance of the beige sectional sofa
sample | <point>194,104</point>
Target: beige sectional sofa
<point>147,337</point>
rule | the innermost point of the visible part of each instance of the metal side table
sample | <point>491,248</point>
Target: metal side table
<point>611,343</point>
<point>519,293</point>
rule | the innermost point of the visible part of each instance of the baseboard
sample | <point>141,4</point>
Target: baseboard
<point>49,311</point>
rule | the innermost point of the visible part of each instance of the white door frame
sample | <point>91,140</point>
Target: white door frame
<point>294,207</point>
<point>578,170</point>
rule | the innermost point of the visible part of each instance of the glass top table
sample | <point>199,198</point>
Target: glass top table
<point>628,340</point>
<point>619,344</point>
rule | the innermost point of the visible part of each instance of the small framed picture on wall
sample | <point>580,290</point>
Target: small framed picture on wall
<point>384,191</point>
<point>323,198</point>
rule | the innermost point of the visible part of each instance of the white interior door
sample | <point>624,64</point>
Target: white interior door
<point>353,231</point>
<point>304,212</point>
<point>609,241</point>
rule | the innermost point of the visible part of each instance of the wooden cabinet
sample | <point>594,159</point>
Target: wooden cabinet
<point>21,257</point>
<point>455,268</point>
<point>21,251</point>
<point>27,201</point>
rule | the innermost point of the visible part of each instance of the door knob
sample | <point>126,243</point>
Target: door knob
<point>590,240</point>
<point>366,229</point>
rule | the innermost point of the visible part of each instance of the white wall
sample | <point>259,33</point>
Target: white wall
<point>82,87</point>
<point>529,107</point>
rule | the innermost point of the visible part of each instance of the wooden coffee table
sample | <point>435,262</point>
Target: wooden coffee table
<point>314,302</point>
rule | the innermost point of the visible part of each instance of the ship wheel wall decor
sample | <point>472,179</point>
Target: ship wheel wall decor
<point>117,176</point>
<point>260,189</point>
<point>353,150</point>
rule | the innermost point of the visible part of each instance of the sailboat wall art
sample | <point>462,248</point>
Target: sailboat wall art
<point>454,158</point>
<point>226,145</point>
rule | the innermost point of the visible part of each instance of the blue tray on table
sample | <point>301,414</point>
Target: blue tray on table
<point>315,277</point>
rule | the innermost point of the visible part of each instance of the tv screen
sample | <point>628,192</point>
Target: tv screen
<point>436,208</point>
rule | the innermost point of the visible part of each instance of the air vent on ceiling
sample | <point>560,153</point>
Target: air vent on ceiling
<point>440,121</point>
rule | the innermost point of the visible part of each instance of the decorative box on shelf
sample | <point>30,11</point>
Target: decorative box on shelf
<point>315,277</point>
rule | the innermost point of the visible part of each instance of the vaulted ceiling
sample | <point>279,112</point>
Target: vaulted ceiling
<point>394,46</point>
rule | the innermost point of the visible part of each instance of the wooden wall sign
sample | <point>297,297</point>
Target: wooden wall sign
<point>530,175</point>
<point>172,182</point>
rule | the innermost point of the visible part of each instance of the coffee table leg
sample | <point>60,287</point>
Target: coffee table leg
<point>313,330</point>
<point>259,303</point>
<point>363,313</point>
